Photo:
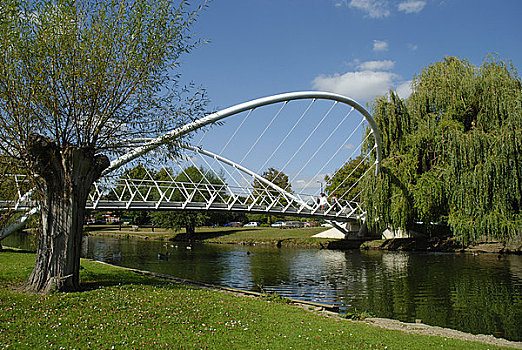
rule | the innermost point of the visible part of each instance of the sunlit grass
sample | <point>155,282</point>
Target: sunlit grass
<point>123,309</point>
<point>228,235</point>
<point>129,231</point>
<point>261,235</point>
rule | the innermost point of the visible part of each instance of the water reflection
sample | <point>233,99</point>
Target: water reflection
<point>477,294</point>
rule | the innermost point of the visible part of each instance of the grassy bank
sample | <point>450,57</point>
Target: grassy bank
<point>128,231</point>
<point>259,235</point>
<point>122,309</point>
<point>225,235</point>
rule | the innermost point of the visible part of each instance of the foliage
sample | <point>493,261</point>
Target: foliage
<point>451,152</point>
<point>91,73</point>
<point>344,184</point>
<point>268,194</point>
<point>200,184</point>
<point>357,315</point>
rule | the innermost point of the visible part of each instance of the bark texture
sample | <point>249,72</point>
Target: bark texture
<point>65,176</point>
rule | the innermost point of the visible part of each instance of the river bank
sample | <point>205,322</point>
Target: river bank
<point>436,244</point>
<point>129,309</point>
<point>302,237</point>
<point>291,237</point>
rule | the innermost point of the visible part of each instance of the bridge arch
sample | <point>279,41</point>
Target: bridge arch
<point>230,111</point>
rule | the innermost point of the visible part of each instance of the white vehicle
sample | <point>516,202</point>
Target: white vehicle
<point>293,224</point>
<point>252,224</point>
<point>278,224</point>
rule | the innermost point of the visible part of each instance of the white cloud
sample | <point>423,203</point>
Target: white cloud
<point>413,47</point>
<point>308,182</point>
<point>404,90</point>
<point>379,45</point>
<point>373,8</point>
<point>376,65</point>
<point>411,6</point>
<point>364,85</point>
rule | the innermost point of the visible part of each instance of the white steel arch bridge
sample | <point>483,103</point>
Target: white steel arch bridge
<point>268,156</point>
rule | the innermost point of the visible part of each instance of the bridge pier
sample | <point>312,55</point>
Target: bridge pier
<point>345,230</point>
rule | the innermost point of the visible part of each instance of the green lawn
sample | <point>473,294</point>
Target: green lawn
<point>259,235</point>
<point>228,235</point>
<point>123,309</point>
<point>130,231</point>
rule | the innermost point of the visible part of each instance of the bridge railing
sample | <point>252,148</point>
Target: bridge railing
<point>180,195</point>
<point>149,194</point>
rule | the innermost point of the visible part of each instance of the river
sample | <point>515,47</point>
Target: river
<point>480,294</point>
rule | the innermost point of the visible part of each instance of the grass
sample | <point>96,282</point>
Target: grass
<point>260,235</point>
<point>123,309</point>
<point>130,231</point>
<point>225,235</point>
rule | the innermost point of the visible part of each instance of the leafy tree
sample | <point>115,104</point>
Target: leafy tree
<point>344,184</point>
<point>266,195</point>
<point>138,172</point>
<point>269,194</point>
<point>199,183</point>
<point>452,152</point>
<point>77,80</point>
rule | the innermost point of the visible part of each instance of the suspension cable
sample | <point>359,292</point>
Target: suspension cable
<point>287,135</point>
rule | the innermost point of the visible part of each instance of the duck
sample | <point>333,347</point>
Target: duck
<point>116,256</point>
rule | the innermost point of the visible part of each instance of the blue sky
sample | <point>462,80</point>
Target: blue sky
<point>357,48</point>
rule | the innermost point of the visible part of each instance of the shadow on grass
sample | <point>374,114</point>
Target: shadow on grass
<point>92,277</point>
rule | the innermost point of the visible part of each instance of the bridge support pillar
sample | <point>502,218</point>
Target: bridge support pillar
<point>345,230</point>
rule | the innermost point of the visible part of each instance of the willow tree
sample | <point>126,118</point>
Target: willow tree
<point>452,152</point>
<point>78,79</point>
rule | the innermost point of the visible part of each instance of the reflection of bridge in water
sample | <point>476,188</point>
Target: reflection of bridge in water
<point>304,136</point>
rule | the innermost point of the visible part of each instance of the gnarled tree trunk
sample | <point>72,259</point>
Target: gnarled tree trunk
<point>65,176</point>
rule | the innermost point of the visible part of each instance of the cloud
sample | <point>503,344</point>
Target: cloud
<point>413,47</point>
<point>411,6</point>
<point>379,45</point>
<point>364,85</point>
<point>376,65</point>
<point>309,182</point>
<point>373,8</point>
<point>404,89</point>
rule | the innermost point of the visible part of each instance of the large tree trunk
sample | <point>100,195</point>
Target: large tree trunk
<point>65,176</point>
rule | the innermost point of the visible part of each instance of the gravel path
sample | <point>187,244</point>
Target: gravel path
<point>420,328</point>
